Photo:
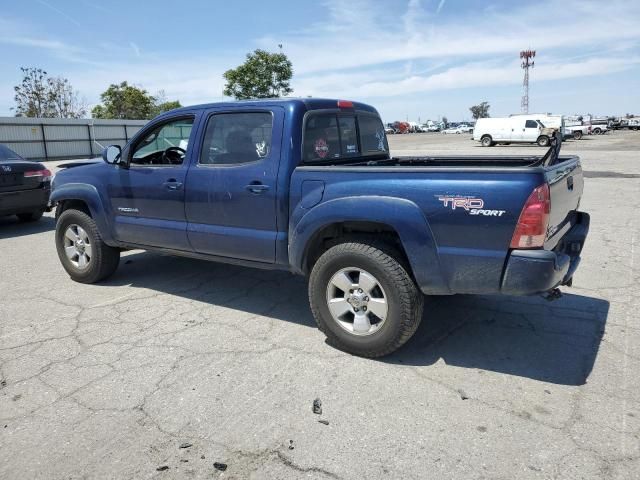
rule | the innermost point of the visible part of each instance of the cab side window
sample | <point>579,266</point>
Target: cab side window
<point>236,138</point>
<point>530,124</point>
<point>166,144</point>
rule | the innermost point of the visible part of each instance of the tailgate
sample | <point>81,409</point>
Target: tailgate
<point>566,184</point>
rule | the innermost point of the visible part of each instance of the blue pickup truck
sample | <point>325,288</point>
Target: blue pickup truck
<point>309,186</point>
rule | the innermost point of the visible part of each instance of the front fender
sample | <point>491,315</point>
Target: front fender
<point>402,215</point>
<point>90,196</point>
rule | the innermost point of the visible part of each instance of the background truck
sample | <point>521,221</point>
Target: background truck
<point>309,186</point>
<point>517,129</point>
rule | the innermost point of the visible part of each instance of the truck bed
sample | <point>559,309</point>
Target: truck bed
<point>471,244</point>
<point>466,161</point>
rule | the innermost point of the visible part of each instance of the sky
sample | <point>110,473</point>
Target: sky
<point>413,60</point>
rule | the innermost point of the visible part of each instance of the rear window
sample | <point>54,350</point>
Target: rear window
<point>7,154</point>
<point>330,136</point>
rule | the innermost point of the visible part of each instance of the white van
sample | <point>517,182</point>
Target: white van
<point>516,129</point>
<point>557,122</point>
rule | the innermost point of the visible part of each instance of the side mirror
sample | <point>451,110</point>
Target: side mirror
<point>111,154</point>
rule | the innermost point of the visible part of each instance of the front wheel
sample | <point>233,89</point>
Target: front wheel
<point>364,300</point>
<point>543,141</point>
<point>81,250</point>
<point>577,135</point>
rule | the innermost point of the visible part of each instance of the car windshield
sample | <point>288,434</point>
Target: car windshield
<point>7,154</point>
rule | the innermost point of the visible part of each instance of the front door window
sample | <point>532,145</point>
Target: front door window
<point>165,145</point>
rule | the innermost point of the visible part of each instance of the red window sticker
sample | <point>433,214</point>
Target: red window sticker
<point>321,148</point>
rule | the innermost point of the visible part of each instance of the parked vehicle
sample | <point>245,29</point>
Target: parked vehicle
<point>464,128</point>
<point>598,129</point>
<point>451,130</point>
<point>415,128</point>
<point>576,131</point>
<point>490,131</point>
<point>389,130</point>
<point>24,186</point>
<point>309,186</point>
<point>433,128</point>
<point>402,127</point>
<point>556,122</point>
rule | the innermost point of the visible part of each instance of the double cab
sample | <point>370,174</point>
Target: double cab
<point>309,186</point>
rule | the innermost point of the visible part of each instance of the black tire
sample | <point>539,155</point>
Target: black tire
<point>543,141</point>
<point>31,216</point>
<point>597,131</point>
<point>104,260</point>
<point>404,299</point>
<point>486,141</point>
<point>577,135</point>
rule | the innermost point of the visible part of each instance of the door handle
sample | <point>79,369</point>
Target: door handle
<point>172,184</point>
<point>570,183</point>
<point>257,188</point>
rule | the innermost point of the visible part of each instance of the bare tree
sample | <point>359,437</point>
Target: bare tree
<point>39,95</point>
<point>64,100</point>
<point>31,96</point>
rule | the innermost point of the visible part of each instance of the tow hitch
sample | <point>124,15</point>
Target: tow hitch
<point>553,294</point>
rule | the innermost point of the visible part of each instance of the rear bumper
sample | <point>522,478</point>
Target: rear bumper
<point>535,271</point>
<point>24,201</point>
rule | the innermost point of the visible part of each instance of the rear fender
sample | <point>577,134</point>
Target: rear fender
<point>90,196</point>
<point>401,215</point>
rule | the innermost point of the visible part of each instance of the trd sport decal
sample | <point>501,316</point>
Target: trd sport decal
<point>474,206</point>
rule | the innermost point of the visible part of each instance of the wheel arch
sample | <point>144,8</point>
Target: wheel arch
<point>85,198</point>
<point>394,220</point>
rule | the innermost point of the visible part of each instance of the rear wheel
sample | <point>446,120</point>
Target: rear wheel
<point>486,141</point>
<point>597,131</point>
<point>577,135</point>
<point>363,299</point>
<point>31,216</point>
<point>543,141</point>
<point>82,252</point>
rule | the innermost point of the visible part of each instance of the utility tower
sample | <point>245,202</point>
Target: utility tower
<point>526,56</point>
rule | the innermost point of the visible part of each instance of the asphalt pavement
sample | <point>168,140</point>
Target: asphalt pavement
<point>176,368</point>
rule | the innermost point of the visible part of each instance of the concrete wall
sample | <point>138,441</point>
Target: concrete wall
<point>59,138</point>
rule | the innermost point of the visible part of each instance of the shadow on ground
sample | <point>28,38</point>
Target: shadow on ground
<point>11,227</point>
<point>555,342</point>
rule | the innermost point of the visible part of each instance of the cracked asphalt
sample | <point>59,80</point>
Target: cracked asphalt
<point>111,380</point>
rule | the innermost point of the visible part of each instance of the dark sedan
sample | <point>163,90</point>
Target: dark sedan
<point>24,186</point>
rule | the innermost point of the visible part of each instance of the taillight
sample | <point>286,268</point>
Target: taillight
<point>531,229</point>
<point>45,175</point>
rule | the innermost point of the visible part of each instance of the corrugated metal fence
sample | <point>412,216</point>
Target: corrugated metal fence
<point>61,138</point>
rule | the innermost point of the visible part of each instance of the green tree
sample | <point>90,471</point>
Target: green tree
<point>480,111</point>
<point>262,75</point>
<point>39,95</point>
<point>124,101</point>
<point>161,104</point>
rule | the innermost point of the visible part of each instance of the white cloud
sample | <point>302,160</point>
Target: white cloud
<point>135,48</point>
<point>362,50</point>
